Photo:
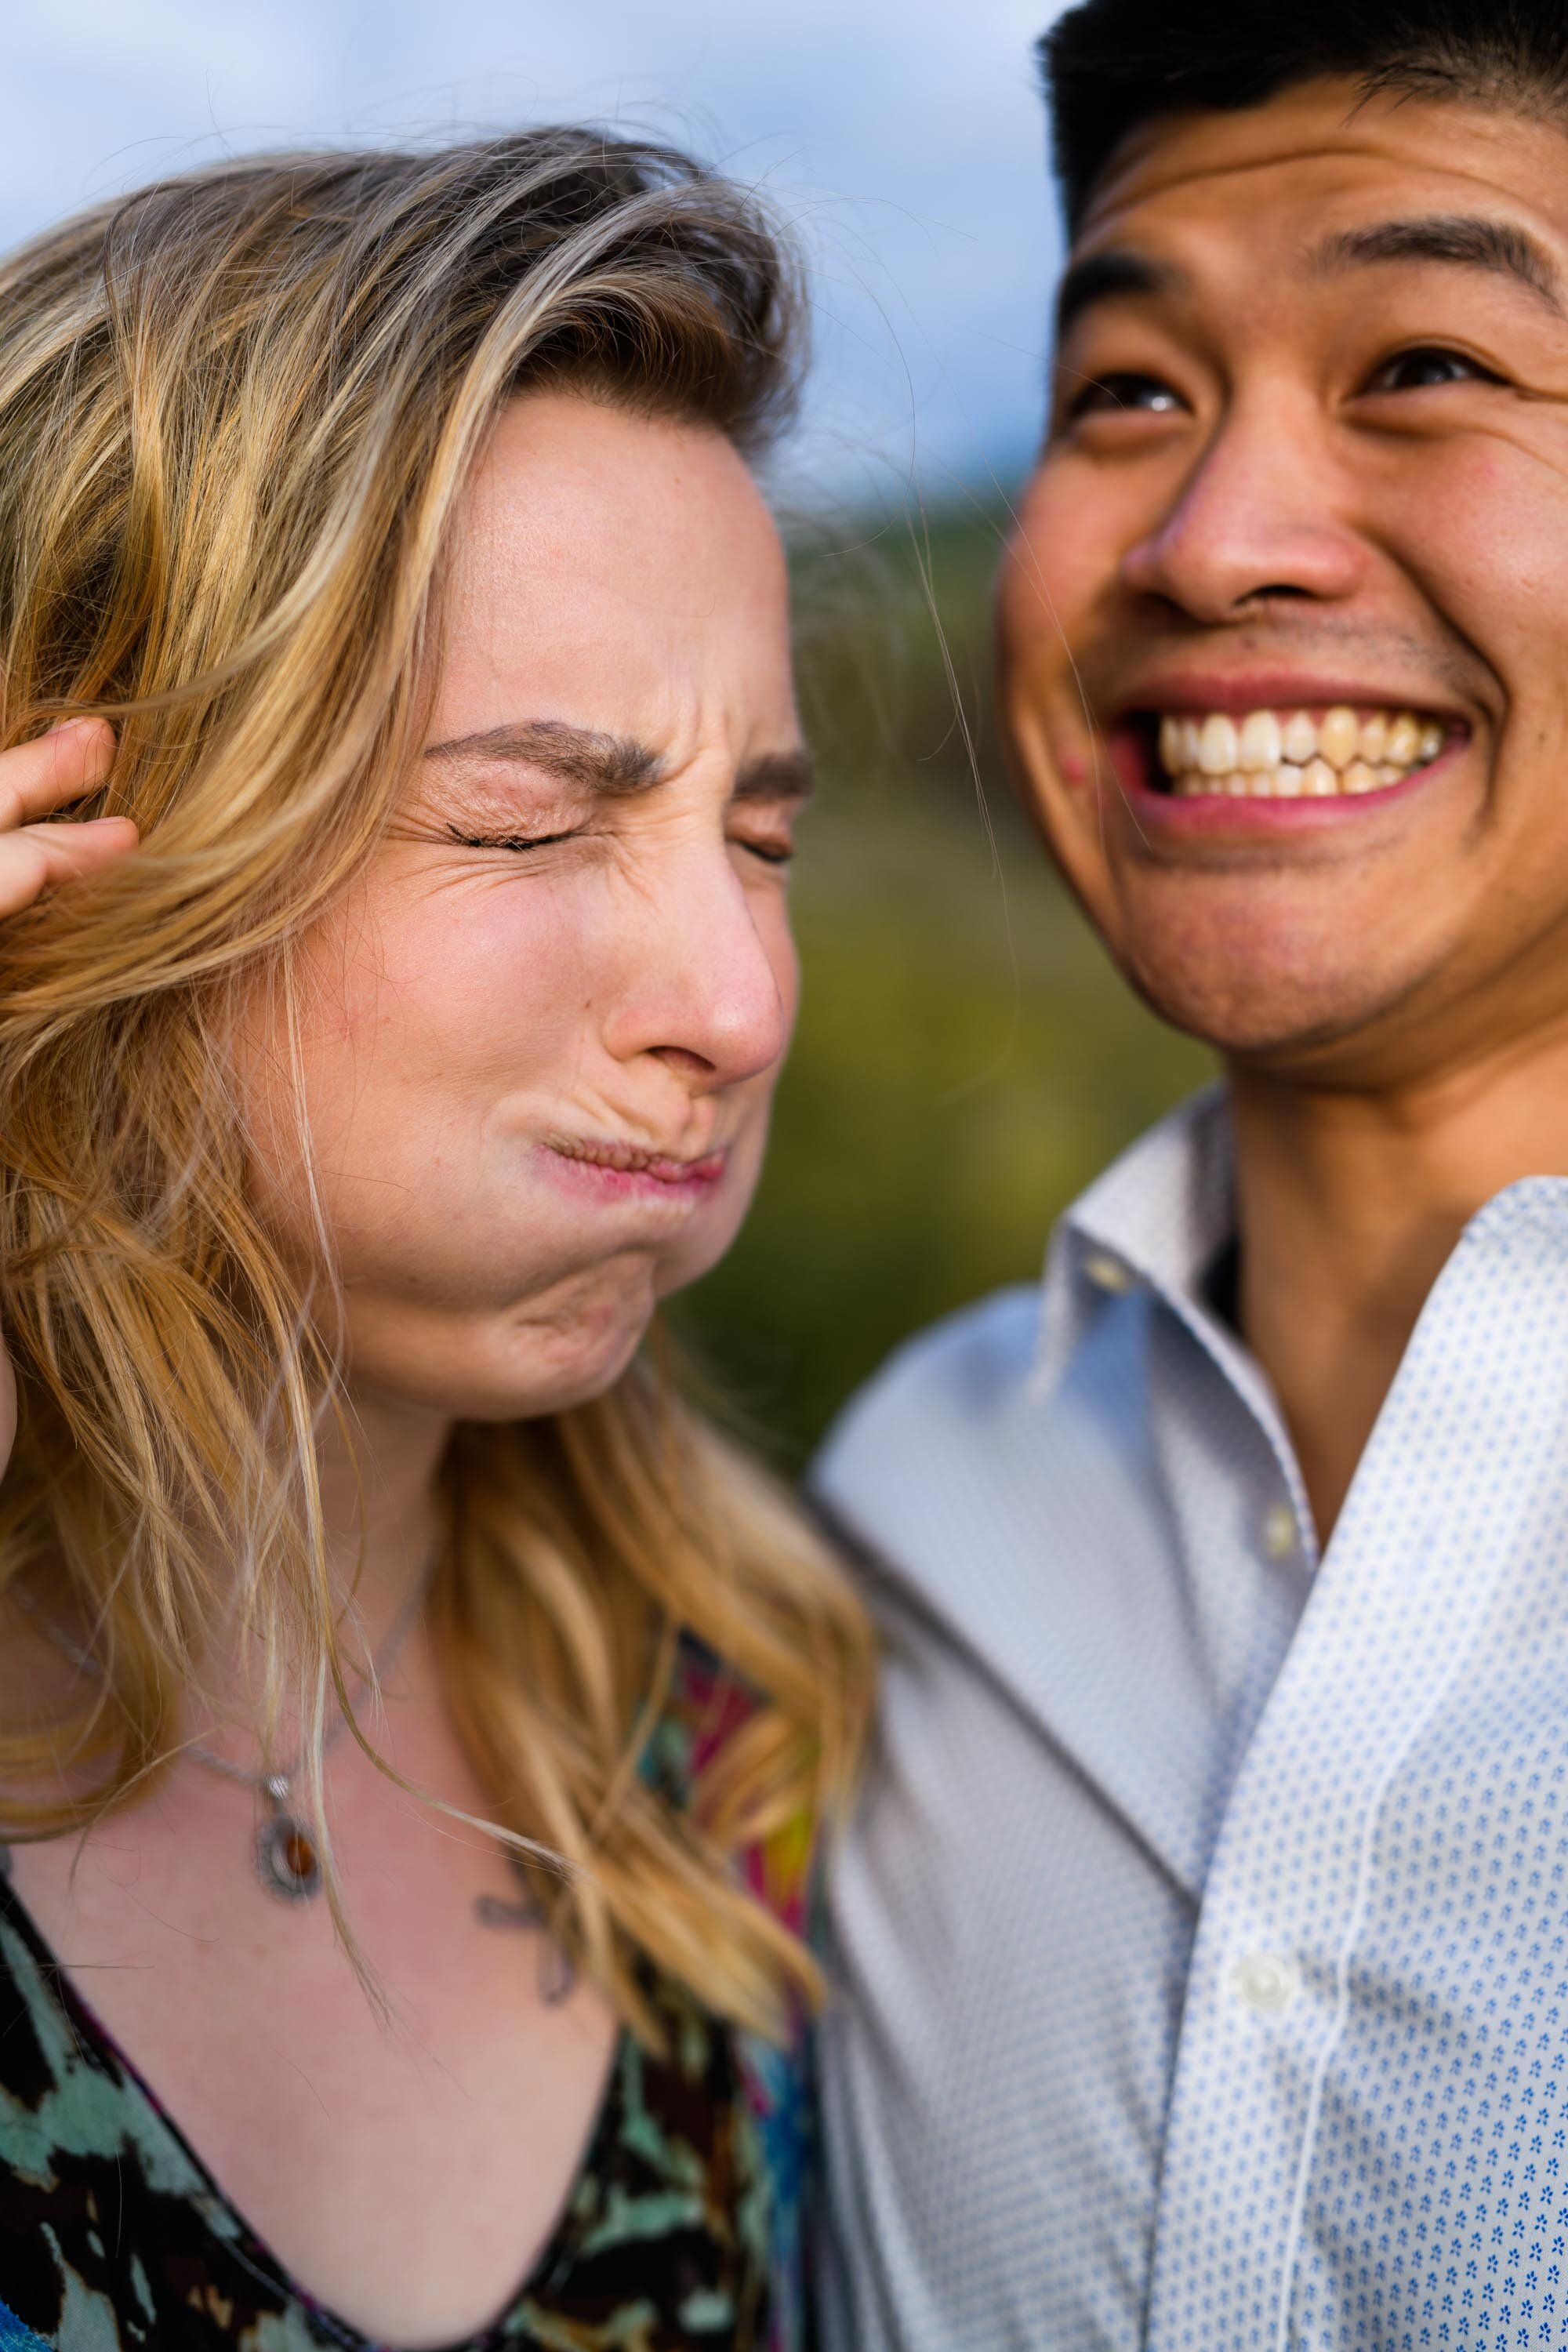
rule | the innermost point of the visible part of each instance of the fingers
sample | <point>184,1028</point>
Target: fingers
<point>54,769</point>
<point>39,855</point>
<point>38,777</point>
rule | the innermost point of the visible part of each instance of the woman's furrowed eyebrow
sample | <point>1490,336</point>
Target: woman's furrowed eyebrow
<point>615,765</point>
<point>776,776</point>
<point>576,755</point>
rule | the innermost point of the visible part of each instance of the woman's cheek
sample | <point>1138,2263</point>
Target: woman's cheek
<point>492,977</point>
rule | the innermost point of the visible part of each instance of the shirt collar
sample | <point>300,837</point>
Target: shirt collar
<point>1159,1216</point>
<point>1157,1220</point>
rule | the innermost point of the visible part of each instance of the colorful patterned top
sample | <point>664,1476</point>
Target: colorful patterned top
<point>680,2234</point>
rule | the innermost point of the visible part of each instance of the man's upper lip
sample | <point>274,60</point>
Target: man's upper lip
<point>1269,690</point>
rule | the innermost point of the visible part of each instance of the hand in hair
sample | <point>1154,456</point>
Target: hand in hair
<point>37,779</point>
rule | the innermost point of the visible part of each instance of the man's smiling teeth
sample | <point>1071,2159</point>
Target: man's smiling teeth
<point>1290,755</point>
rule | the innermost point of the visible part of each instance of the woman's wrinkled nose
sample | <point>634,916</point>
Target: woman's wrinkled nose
<point>708,981</point>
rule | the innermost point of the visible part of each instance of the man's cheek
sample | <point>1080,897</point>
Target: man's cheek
<point>1056,572</point>
<point>1496,569</point>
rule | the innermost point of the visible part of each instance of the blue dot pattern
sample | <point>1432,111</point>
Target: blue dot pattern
<point>1203,1942</point>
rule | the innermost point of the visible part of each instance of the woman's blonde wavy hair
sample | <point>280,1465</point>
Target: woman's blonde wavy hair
<point>237,412</point>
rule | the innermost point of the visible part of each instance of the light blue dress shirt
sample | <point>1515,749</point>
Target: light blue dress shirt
<point>1203,1936</point>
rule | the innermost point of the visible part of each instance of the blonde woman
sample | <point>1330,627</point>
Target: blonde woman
<point>413,1721</point>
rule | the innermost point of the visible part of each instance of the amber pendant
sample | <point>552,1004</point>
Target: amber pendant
<point>287,1862</point>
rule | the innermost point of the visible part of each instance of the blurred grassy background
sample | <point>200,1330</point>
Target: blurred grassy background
<point>966,1059</point>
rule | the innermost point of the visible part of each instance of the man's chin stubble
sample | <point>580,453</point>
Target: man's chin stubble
<point>1281,1024</point>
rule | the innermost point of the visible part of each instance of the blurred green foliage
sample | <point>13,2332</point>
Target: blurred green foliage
<point>966,1059</point>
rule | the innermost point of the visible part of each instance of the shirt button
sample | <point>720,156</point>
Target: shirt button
<point>1280,1532</point>
<point>1262,1980</point>
<point>1107,1273</point>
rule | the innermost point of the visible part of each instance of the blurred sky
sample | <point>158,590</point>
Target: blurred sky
<point>902,138</point>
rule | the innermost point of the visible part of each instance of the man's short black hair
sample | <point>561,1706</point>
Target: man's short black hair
<point>1111,65</point>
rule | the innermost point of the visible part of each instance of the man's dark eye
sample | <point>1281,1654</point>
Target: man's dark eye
<point>1417,370</point>
<point>1110,396</point>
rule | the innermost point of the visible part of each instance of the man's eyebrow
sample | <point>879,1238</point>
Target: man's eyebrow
<point>776,776</point>
<point>1101,276</point>
<point>1471,240</point>
<point>577,755</point>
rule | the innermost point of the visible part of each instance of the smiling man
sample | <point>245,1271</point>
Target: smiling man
<point>1205,1936</point>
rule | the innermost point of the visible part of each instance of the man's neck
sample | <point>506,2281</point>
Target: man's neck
<point>1348,1205</point>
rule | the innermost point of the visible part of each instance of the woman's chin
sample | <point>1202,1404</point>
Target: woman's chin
<point>577,1377</point>
<point>516,1364</point>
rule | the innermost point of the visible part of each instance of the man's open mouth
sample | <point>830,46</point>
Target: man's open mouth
<point>1289,754</point>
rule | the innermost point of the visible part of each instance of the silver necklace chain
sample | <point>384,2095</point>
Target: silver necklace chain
<point>286,1852</point>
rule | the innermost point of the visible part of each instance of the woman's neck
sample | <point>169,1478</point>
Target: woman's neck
<point>377,1470</point>
<point>380,1504</point>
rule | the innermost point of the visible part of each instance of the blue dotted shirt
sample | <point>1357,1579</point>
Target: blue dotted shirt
<point>1203,1937</point>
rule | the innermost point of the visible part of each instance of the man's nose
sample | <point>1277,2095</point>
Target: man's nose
<point>703,987</point>
<point>1256,519</point>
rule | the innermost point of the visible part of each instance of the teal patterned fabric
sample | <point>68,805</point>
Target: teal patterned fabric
<point>681,2232</point>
